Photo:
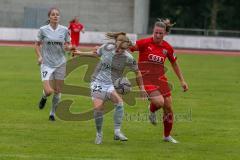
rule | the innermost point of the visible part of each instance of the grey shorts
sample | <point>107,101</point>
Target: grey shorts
<point>50,73</point>
<point>101,91</point>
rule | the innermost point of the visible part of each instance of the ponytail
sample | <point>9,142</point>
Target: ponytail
<point>164,23</point>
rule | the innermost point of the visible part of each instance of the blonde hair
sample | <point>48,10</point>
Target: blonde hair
<point>114,35</point>
<point>118,36</point>
<point>164,23</point>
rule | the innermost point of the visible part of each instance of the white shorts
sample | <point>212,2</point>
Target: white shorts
<point>50,73</point>
<point>101,91</point>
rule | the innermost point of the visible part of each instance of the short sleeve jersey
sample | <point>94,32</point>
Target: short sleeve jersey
<point>112,64</point>
<point>152,56</point>
<point>152,52</point>
<point>75,28</point>
<point>53,44</point>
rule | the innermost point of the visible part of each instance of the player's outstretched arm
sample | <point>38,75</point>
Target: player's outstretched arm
<point>81,53</point>
<point>134,48</point>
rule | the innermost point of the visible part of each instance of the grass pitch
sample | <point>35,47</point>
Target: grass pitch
<point>207,116</point>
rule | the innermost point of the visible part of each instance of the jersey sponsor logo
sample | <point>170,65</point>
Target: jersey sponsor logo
<point>155,58</point>
<point>54,43</point>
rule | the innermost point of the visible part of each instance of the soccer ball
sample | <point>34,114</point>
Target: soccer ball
<point>122,85</point>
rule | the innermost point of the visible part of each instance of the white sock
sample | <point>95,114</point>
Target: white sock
<point>116,131</point>
<point>98,116</point>
<point>168,137</point>
<point>118,116</point>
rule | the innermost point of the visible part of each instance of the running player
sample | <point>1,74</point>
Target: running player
<point>153,51</point>
<point>114,58</point>
<point>75,28</point>
<point>52,40</point>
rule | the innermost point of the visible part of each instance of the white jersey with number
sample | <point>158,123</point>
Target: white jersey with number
<point>112,65</point>
<point>53,44</point>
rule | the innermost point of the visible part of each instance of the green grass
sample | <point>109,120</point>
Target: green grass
<point>209,130</point>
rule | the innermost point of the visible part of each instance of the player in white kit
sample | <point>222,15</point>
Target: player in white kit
<point>52,41</point>
<point>114,57</point>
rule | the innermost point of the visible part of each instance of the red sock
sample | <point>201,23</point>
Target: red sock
<point>153,108</point>
<point>168,123</point>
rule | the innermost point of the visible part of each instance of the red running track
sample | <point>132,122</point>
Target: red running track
<point>177,50</point>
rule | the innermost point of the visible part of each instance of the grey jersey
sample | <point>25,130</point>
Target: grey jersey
<point>52,44</point>
<point>112,65</point>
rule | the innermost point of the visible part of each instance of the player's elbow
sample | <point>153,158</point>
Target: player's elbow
<point>37,45</point>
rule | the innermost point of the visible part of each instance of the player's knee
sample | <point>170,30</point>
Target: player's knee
<point>57,90</point>
<point>159,103</point>
<point>48,92</point>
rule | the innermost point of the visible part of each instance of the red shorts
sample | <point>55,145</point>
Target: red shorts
<point>75,40</point>
<point>160,85</point>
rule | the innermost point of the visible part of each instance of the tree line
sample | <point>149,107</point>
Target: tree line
<point>202,14</point>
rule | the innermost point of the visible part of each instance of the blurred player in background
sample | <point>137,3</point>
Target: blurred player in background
<point>114,59</point>
<point>52,41</point>
<point>75,28</point>
<point>153,51</point>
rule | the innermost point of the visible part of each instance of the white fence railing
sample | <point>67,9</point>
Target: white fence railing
<point>205,32</point>
<point>178,41</point>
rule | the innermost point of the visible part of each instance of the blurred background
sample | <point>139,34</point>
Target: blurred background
<point>206,117</point>
<point>203,24</point>
<point>203,17</point>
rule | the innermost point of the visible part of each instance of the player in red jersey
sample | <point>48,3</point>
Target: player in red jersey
<point>75,28</point>
<point>153,52</point>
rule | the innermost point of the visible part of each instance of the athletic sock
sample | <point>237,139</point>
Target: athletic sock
<point>98,116</point>
<point>55,101</point>
<point>167,123</point>
<point>118,117</point>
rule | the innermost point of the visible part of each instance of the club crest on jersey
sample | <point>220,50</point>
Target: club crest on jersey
<point>164,51</point>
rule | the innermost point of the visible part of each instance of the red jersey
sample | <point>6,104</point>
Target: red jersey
<point>75,29</point>
<point>152,52</point>
<point>151,64</point>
